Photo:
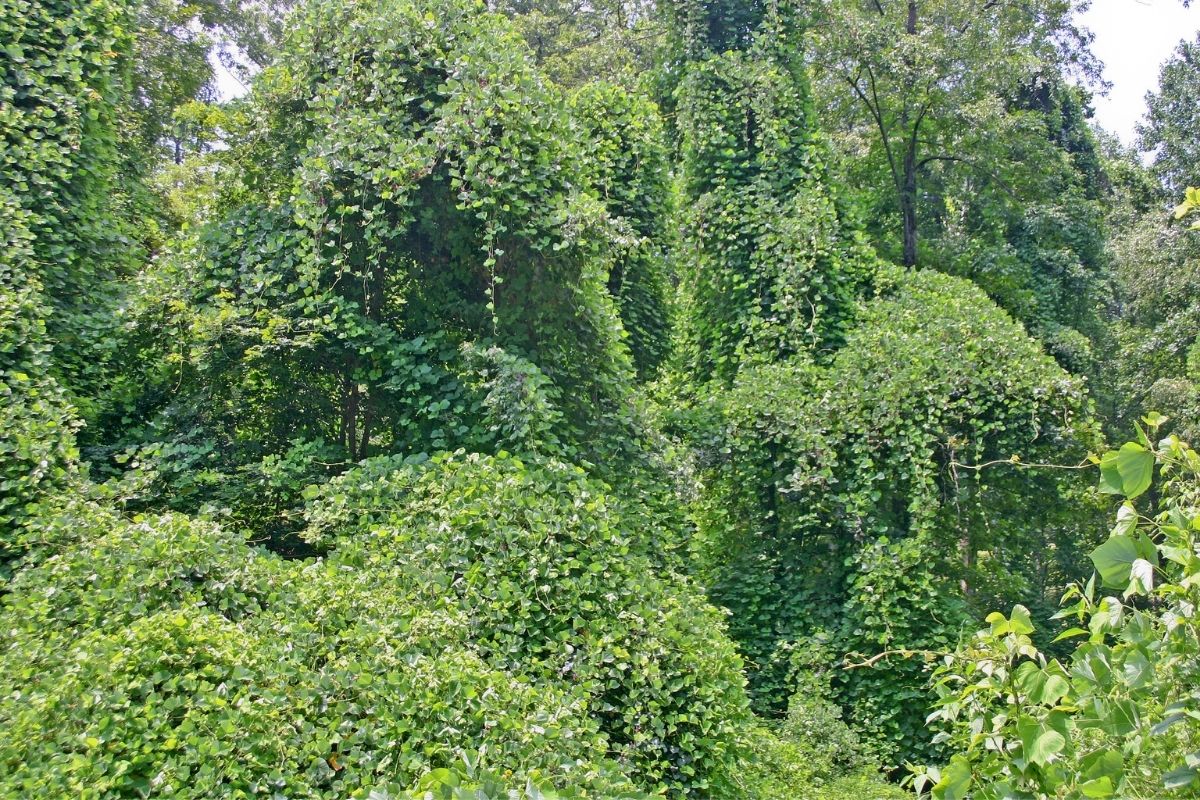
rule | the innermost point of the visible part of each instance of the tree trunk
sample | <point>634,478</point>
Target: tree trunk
<point>350,417</point>
<point>908,207</point>
<point>908,187</point>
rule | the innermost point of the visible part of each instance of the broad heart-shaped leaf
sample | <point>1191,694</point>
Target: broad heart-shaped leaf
<point>1047,745</point>
<point>1100,787</point>
<point>1020,621</point>
<point>1138,669</point>
<point>1115,558</point>
<point>1039,685</point>
<point>1039,741</point>
<point>1030,679</point>
<point>1118,718</point>
<point>1055,689</point>
<point>1126,518</point>
<point>1178,778</point>
<point>1100,766</point>
<point>1127,471</point>
<point>955,782</point>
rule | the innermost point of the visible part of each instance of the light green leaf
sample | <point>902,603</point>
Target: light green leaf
<point>1047,745</point>
<point>1127,471</point>
<point>1100,787</point>
<point>1141,577</point>
<point>955,781</point>
<point>1054,690</point>
<point>1020,621</point>
<point>1114,560</point>
<point>1070,633</point>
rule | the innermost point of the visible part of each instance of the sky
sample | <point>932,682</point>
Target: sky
<point>229,85</point>
<point>1133,38</point>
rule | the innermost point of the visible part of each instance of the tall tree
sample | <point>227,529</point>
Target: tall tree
<point>920,82</point>
<point>577,41</point>
<point>770,258</point>
<point>1173,119</point>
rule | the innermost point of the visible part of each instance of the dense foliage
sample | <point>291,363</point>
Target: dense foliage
<point>1171,120</point>
<point>520,400</point>
<point>841,509</point>
<point>770,265</point>
<point>1118,716</point>
<point>58,229</point>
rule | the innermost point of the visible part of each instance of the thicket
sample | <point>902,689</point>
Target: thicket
<point>459,414</point>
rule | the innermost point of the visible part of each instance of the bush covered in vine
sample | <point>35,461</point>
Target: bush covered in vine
<point>394,204</point>
<point>839,500</point>
<point>456,415</point>
<point>476,621</point>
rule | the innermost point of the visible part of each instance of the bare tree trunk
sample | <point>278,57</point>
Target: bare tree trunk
<point>908,188</point>
<point>350,417</point>
<point>908,207</point>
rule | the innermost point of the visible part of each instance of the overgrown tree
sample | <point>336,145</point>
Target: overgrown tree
<point>923,82</point>
<point>575,42</point>
<point>368,293</point>
<point>61,232</point>
<point>769,263</point>
<point>625,159</point>
<point>1172,119</point>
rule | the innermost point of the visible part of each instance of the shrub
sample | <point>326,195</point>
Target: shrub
<point>166,656</point>
<point>556,582</point>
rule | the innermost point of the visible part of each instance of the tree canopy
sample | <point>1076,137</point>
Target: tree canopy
<point>614,400</point>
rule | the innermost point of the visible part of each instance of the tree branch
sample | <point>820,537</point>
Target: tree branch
<point>928,655</point>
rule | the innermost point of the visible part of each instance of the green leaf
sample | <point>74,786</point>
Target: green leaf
<point>1126,519</point>
<point>1127,471</point>
<point>1070,633</point>
<point>1120,718</point>
<point>1039,741</point>
<point>1055,689</point>
<point>1155,420</point>
<point>1020,621</point>
<point>1178,778</point>
<point>1114,560</point>
<point>1141,577</point>
<point>1047,745</point>
<point>956,780</point>
<point>1138,669</point>
<point>1100,787</point>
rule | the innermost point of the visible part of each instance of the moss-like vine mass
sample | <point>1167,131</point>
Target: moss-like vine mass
<point>518,400</point>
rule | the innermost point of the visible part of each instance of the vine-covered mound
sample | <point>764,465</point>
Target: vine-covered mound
<point>476,624</point>
<point>166,657</point>
<point>831,491</point>
<point>473,611</point>
<point>554,581</point>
